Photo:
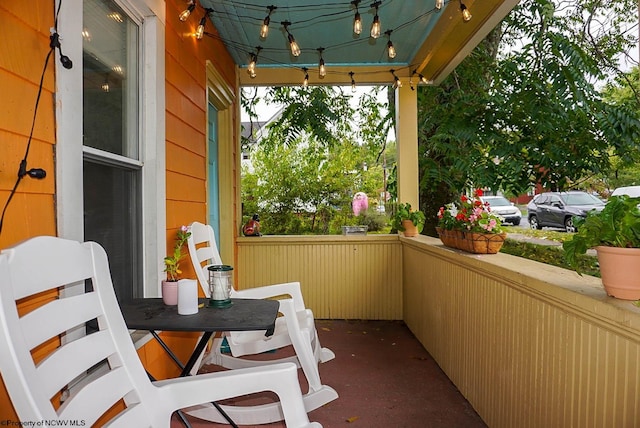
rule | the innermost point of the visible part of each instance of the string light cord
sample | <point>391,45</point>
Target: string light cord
<point>247,49</point>
<point>266,59</point>
<point>22,169</point>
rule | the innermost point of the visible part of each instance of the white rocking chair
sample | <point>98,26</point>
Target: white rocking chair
<point>296,327</point>
<point>46,263</point>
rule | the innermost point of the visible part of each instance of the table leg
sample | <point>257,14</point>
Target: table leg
<point>186,369</point>
<point>196,353</point>
<point>167,350</point>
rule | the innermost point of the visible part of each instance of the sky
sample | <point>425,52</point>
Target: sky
<point>265,112</point>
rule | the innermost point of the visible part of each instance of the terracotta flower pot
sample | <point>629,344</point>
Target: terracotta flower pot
<point>410,229</point>
<point>620,271</point>
<point>170,292</point>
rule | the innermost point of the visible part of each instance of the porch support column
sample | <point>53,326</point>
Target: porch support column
<point>407,145</point>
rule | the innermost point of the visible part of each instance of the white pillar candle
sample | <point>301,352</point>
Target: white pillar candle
<point>187,296</point>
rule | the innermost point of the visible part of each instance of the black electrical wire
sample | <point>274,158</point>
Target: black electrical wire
<point>22,170</point>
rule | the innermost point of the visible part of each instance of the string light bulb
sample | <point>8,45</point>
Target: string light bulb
<point>322,70</point>
<point>105,85</point>
<point>305,82</point>
<point>184,15</point>
<point>423,79</point>
<point>391,50</point>
<point>357,21</point>
<point>264,30</point>
<point>466,15</point>
<point>397,83</point>
<point>439,4</point>
<point>251,69</point>
<point>203,22</point>
<point>353,82</point>
<point>375,26</point>
<point>295,49</point>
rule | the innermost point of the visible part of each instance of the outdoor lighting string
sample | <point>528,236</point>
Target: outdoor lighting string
<point>262,25</point>
<point>39,173</point>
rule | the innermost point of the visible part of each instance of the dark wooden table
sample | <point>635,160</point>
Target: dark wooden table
<point>243,315</point>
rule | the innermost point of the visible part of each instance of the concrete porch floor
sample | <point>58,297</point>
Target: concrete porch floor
<point>384,377</point>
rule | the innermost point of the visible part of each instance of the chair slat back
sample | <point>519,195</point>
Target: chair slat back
<point>203,251</point>
<point>45,264</point>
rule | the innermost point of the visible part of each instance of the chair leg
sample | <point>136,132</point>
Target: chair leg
<point>322,354</point>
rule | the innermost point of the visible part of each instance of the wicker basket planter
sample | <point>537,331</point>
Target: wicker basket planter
<point>472,242</point>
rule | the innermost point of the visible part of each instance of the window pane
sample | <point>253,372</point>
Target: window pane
<point>111,218</point>
<point>110,56</point>
<point>112,185</point>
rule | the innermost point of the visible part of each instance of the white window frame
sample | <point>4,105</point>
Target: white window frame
<point>69,148</point>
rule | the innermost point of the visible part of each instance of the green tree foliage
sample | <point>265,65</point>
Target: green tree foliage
<point>523,109</point>
<point>624,91</point>
<point>554,127</point>
<point>306,185</point>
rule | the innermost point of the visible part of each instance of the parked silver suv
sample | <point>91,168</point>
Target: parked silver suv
<point>557,209</point>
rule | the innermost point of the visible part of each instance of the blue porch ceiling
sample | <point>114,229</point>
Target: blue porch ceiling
<point>419,31</point>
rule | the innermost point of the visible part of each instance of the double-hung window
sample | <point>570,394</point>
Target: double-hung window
<point>112,168</point>
<point>110,145</point>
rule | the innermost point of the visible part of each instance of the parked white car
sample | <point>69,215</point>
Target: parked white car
<point>632,191</point>
<point>504,208</point>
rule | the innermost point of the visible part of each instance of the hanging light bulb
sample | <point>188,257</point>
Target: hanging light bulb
<point>251,68</point>
<point>105,86</point>
<point>305,82</point>
<point>187,12</point>
<point>439,4</point>
<point>264,30</point>
<point>391,51</point>
<point>357,21</point>
<point>375,26</point>
<point>203,21</point>
<point>466,15</point>
<point>322,70</point>
<point>295,49</point>
<point>353,82</point>
<point>423,79</point>
<point>397,83</point>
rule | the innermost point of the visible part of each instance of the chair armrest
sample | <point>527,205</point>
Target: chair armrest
<point>291,289</point>
<point>280,378</point>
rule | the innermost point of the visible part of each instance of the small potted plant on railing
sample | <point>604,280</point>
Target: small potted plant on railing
<point>408,220</point>
<point>614,232</point>
<point>469,224</point>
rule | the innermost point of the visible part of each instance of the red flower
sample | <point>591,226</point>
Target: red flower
<point>479,192</point>
<point>463,198</point>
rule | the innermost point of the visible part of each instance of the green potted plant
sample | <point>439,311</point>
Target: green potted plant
<point>614,232</point>
<point>172,267</point>
<point>408,220</point>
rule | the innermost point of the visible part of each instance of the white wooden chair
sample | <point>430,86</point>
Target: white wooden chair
<point>46,263</point>
<point>296,327</point>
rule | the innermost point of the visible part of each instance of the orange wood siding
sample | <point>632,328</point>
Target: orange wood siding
<point>186,150</point>
<point>186,133</point>
<point>25,31</point>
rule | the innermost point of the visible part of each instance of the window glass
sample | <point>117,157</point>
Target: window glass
<point>112,173</point>
<point>110,77</point>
